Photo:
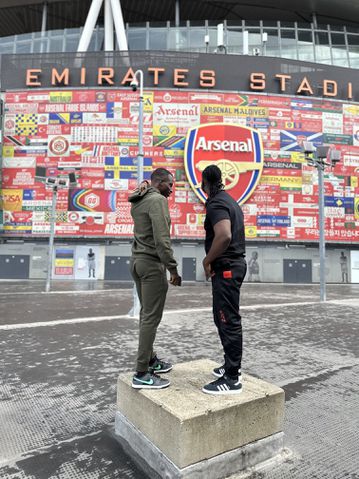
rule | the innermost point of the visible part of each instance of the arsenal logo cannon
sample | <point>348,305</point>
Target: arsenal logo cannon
<point>235,149</point>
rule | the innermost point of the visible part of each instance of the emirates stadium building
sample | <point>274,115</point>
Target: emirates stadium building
<point>245,85</point>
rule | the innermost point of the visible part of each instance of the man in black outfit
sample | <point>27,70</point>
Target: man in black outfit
<point>225,265</point>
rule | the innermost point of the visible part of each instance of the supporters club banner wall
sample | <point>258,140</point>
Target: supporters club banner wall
<point>94,134</point>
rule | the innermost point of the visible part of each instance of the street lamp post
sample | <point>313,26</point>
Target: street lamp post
<point>54,184</point>
<point>135,83</point>
<point>316,157</point>
<point>52,235</point>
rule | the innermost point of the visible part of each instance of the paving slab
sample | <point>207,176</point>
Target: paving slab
<point>58,383</point>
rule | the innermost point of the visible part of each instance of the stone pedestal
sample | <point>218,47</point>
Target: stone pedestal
<point>180,432</point>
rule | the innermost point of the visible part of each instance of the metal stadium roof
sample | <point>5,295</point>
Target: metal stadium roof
<point>22,16</point>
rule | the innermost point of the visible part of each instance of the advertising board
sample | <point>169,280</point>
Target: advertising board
<point>95,136</point>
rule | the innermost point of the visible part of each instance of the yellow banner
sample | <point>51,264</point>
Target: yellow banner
<point>164,130</point>
<point>297,157</point>
<point>251,231</point>
<point>354,181</point>
<point>148,102</point>
<point>7,151</point>
<point>282,181</point>
<point>229,110</point>
<point>173,153</point>
<point>127,141</point>
<point>356,208</point>
<point>11,200</point>
<point>64,262</point>
<point>60,96</point>
<point>17,228</point>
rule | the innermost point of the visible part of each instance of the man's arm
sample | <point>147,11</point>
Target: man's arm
<point>221,241</point>
<point>161,222</point>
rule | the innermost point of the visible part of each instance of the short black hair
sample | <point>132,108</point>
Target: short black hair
<point>213,176</point>
<point>160,174</point>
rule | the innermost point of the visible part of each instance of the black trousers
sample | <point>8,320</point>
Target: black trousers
<point>226,287</point>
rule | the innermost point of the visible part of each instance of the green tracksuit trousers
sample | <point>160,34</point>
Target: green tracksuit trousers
<point>151,284</point>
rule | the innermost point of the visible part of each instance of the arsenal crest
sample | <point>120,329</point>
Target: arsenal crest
<point>236,150</point>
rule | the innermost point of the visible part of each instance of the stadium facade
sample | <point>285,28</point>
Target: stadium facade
<point>224,82</point>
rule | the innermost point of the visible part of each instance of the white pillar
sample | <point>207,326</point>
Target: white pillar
<point>89,25</point>
<point>44,19</point>
<point>177,13</point>
<point>119,25</point>
<point>43,27</point>
<point>109,43</point>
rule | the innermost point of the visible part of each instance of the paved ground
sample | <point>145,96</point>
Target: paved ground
<point>62,352</point>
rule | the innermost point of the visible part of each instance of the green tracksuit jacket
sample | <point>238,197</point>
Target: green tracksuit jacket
<point>152,222</point>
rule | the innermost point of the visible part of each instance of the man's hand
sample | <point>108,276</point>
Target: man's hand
<point>207,268</point>
<point>175,279</point>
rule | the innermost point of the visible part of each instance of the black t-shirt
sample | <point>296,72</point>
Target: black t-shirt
<point>223,207</point>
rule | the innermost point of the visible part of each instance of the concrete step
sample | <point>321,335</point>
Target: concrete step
<point>180,430</point>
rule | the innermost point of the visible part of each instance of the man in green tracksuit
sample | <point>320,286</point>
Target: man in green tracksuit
<point>151,255</point>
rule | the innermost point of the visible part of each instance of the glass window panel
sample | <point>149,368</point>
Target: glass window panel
<point>353,41</point>
<point>23,47</point>
<point>252,23</point>
<point>354,60</point>
<point>337,28</point>
<point>322,26</point>
<point>197,23</point>
<point>341,62</point>
<point>6,47</point>
<point>214,23</point>
<point>305,45</point>
<point>158,39</point>
<point>304,26</point>
<point>177,39</point>
<point>37,46</point>
<point>321,38</point>
<point>158,24</point>
<point>72,42</point>
<point>93,43</point>
<point>196,39</point>
<point>55,44</point>
<point>269,23</point>
<point>322,49</point>
<point>137,39</point>
<point>234,40</point>
<point>322,54</point>
<point>338,39</point>
<point>340,54</point>
<point>352,29</point>
<point>255,43</point>
<point>271,48</point>
<point>289,44</point>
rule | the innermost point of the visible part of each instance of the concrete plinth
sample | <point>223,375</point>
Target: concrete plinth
<point>180,432</point>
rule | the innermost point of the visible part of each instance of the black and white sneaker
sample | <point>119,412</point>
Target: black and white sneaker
<point>159,366</point>
<point>149,381</point>
<point>219,372</point>
<point>223,385</point>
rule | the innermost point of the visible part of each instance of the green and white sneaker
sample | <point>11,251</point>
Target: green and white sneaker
<point>159,366</point>
<point>149,381</point>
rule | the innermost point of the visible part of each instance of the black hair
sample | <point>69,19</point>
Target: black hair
<point>160,174</point>
<point>213,177</point>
